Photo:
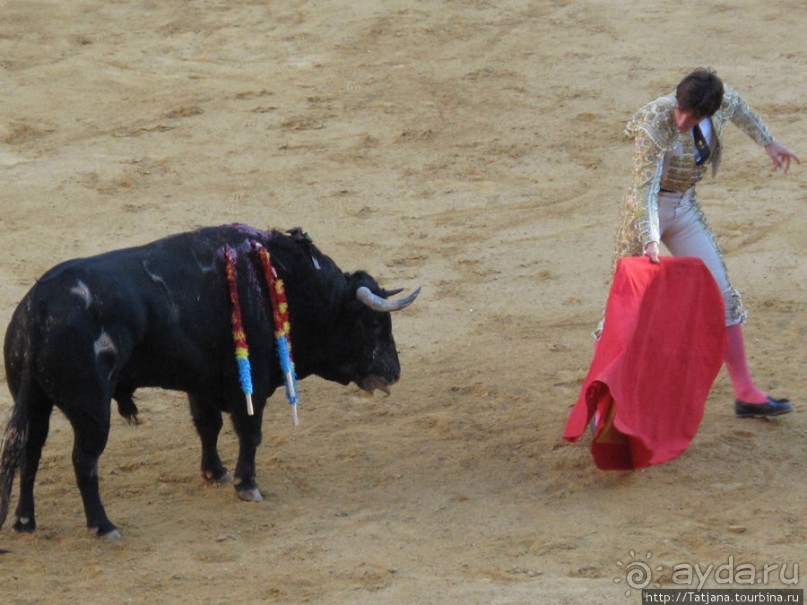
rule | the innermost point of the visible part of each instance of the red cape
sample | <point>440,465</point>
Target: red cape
<point>660,350</point>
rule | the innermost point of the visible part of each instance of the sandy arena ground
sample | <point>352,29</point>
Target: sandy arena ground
<point>470,147</point>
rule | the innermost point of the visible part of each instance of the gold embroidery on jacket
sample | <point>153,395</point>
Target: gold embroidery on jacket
<point>654,134</point>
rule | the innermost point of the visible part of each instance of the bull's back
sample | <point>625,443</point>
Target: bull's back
<point>152,315</point>
<point>86,317</point>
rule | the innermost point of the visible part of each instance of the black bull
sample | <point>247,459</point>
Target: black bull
<point>96,329</point>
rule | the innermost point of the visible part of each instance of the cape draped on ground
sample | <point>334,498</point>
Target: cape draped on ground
<point>661,348</point>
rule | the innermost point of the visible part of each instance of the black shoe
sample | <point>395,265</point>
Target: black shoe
<point>774,407</point>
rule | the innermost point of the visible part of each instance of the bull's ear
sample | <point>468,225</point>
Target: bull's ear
<point>377,303</point>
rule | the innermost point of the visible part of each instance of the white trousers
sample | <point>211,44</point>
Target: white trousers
<point>685,232</point>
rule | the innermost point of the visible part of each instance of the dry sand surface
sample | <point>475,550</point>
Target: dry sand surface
<point>473,148</point>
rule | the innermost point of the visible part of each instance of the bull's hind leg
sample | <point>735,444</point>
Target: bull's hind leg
<point>90,421</point>
<point>208,422</point>
<point>39,411</point>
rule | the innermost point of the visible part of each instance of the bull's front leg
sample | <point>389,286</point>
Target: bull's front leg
<point>208,422</point>
<point>248,429</point>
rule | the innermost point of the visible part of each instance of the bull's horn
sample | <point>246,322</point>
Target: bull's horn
<point>376,303</point>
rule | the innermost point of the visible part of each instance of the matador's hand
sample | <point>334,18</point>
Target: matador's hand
<point>781,156</point>
<point>651,252</point>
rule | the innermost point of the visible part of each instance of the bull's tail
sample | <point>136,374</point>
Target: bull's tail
<point>13,446</point>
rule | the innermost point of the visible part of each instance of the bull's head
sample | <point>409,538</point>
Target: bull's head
<point>346,333</point>
<point>378,366</point>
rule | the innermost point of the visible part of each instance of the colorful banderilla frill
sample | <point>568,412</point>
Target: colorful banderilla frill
<point>280,315</point>
<point>239,336</point>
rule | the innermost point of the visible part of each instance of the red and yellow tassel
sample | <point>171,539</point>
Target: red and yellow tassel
<point>239,336</point>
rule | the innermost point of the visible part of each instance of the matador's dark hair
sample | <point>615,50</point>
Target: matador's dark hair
<point>701,93</point>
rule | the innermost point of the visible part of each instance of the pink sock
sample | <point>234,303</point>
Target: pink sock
<point>744,388</point>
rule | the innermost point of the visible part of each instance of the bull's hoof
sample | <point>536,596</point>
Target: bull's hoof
<point>250,495</point>
<point>105,530</point>
<point>111,533</point>
<point>217,477</point>
<point>25,525</point>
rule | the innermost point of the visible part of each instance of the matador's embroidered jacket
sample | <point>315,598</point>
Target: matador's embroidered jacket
<point>655,135</point>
